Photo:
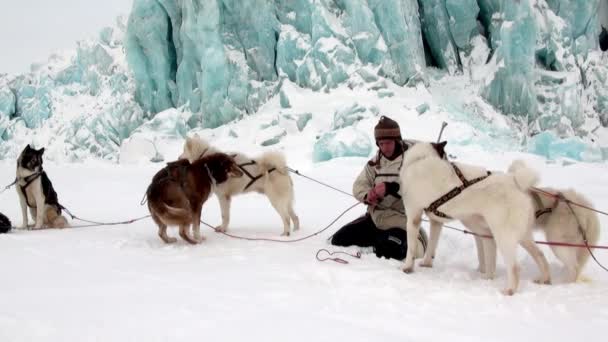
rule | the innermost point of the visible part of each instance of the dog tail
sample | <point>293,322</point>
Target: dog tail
<point>590,224</point>
<point>270,160</point>
<point>60,222</point>
<point>175,213</point>
<point>168,213</point>
<point>525,177</point>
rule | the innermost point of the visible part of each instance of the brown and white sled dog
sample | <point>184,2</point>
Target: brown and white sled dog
<point>177,193</point>
<point>559,224</point>
<point>496,204</point>
<point>266,174</point>
<point>36,192</point>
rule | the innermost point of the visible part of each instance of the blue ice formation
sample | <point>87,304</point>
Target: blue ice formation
<point>512,86</point>
<point>7,102</point>
<point>223,58</point>
<point>548,145</point>
<point>346,142</point>
<point>87,95</point>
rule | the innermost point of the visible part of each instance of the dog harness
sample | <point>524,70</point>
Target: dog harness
<point>252,178</point>
<point>539,203</point>
<point>28,180</point>
<point>433,208</point>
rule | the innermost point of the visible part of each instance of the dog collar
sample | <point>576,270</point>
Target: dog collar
<point>29,179</point>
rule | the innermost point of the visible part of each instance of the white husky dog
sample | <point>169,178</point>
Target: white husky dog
<point>496,204</point>
<point>266,174</point>
<point>559,224</point>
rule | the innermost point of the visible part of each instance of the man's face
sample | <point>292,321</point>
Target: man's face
<point>387,147</point>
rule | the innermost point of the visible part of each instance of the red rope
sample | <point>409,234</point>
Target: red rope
<point>284,241</point>
<point>336,259</point>
<point>557,196</point>
<point>550,243</point>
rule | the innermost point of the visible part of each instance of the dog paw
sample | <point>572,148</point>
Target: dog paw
<point>221,229</point>
<point>508,292</point>
<point>541,281</point>
<point>171,240</point>
<point>426,263</point>
<point>408,270</point>
<point>285,234</point>
<point>487,276</point>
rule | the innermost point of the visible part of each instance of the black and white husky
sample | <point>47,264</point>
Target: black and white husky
<point>36,191</point>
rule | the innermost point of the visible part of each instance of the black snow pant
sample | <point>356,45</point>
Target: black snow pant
<point>5,224</point>
<point>390,243</point>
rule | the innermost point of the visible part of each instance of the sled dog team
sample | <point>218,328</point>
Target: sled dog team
<point>502,204</point>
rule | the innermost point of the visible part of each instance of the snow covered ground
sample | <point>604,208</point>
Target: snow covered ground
<point>122,283</point>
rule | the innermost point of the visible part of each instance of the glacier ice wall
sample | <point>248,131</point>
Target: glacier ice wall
<point>217,61</point>
<point>77,104</point>
<point>511,88</point>
<point>224,58</point>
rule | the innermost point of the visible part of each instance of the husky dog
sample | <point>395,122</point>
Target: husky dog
<point>36,191</point>
<point>485,203</point>
<point>178,191</point>
<point>559,223</point>
<point>266,174</point>
<point>5,224</point>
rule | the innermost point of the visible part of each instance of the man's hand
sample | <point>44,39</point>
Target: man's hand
<point>372,197</point>
<point>380,190</point>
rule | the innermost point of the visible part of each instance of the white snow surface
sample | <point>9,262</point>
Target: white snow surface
<point>122,283</point>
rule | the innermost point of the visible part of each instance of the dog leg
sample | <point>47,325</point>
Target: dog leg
<point>283,211</point>
<point>480,255</point>
<point>225,208</point>
<point>568,257</point>
<point>40,206</point>
<point>489,253</point>
<point>413,228</point>
<point>33,215</point>
<point>196,225</point>
<point>183,232</point>
<point>530,246</point>
<point>508,248</point>
<point>53,219</point>
<point>23,203</point>
<point>162,232</point>
<point>433,241</point>
<point>294,218</point>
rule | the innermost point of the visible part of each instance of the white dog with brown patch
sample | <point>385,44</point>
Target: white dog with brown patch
<point>560,222</point>
<point>484,203</point>
<point>266,174</point>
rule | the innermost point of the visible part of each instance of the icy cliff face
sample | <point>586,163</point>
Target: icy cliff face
<point>206,63</point>
<point>77,104</point>
<point>223,58</point>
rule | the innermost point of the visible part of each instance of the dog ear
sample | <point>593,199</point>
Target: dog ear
<point>41,151</point>
<point>440,148</point>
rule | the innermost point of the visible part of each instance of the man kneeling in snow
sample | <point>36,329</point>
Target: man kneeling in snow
<point>384,225</point>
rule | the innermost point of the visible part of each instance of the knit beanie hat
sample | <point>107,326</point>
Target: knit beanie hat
<point>387,128</point>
